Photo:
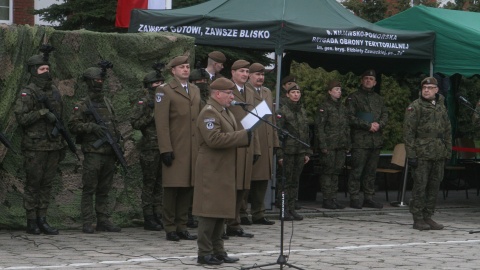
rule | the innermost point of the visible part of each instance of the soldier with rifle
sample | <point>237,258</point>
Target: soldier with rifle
<point>95,123</point>
<point>42,146</point>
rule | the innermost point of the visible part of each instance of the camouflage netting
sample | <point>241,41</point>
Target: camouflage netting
<point>132,56</point>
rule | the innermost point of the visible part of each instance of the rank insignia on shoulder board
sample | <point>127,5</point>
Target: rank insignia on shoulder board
<point>209,122</point>
<point>158,97</point>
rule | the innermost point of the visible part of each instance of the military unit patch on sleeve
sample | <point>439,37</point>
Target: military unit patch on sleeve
<point>158,97</point>
<point>75,108</point>
<point>410,109</point>
<point>321,110</point>
<point>140,102</point>
<point>24,94</point>
<point>209,122</point>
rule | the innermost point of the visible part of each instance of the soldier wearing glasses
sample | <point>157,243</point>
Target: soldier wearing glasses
<point>428,142</point>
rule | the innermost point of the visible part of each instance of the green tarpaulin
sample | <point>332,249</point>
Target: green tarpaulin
<point>323,27</point>
<point>457,46</point>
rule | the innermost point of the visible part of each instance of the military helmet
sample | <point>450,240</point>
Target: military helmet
<point>93,73</point>
<point>151,77</point>
<point>37,60</point>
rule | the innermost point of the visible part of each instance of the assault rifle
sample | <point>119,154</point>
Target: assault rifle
<point>6,142</point>
<point>107,138</point>
<point>59,126</point>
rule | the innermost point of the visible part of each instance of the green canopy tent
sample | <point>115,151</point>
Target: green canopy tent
<point>320,32</point>
<point>457,44</point>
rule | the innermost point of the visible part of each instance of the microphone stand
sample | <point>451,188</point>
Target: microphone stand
<point>404,188</point>
<point>282,260</point>
<point>468,105</point>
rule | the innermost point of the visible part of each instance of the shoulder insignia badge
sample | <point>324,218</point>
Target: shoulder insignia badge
<point>158,97</point>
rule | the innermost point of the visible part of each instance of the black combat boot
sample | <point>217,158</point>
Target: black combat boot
<point>158,219</point>
<point>328,204</point>
<point>45,227</point>
<point>107,226</point>
<point>433,225</point>
<point>151,225</point>
<point>32,227</point>
<point>420,224</point>
<point>295,215</point>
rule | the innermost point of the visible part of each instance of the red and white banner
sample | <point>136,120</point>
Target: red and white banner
<point>124,8</point>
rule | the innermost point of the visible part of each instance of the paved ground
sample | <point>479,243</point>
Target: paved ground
<point>326,239</point>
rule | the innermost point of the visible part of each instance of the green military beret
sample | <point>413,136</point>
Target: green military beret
<point>429,80</point>
<point>291,86</point>
<point>179,60</point>
<point>256,67</point>
<point>240,64</point>
<point>222,84</point>
<point>217,56</point>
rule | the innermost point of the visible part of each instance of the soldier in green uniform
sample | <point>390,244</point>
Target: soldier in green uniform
<point>41,149</point>
<point>367,117</point>
<point>428,142</point>
<point>142,119</point>
<point>292,117</point>
<point>333,139</point>
<point>99,164</point>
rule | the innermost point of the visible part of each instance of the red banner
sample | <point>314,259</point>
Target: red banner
<point>124,8</point>
<point>466,149</point>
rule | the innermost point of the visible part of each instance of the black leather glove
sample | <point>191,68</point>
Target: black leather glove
<point>249,134</point>
<point>98,130</point>
<point>167,158</point>
<point>413,162</point>
<point>255,158</point>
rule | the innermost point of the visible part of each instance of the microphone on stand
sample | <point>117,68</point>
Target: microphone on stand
<point>463,99</point>
<point>237,103</point>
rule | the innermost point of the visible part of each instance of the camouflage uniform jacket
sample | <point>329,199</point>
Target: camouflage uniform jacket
<point>37,131</point>
<point>427,130</point>
<point>142,119</point>
<point>333,131</point>
<point>82,120</point>
<point>359,104</point>
<point>293,118</point>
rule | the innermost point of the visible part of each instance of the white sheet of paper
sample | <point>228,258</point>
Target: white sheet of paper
<point>250,121</point>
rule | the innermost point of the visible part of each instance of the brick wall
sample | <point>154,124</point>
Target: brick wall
<point>22,12</point>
